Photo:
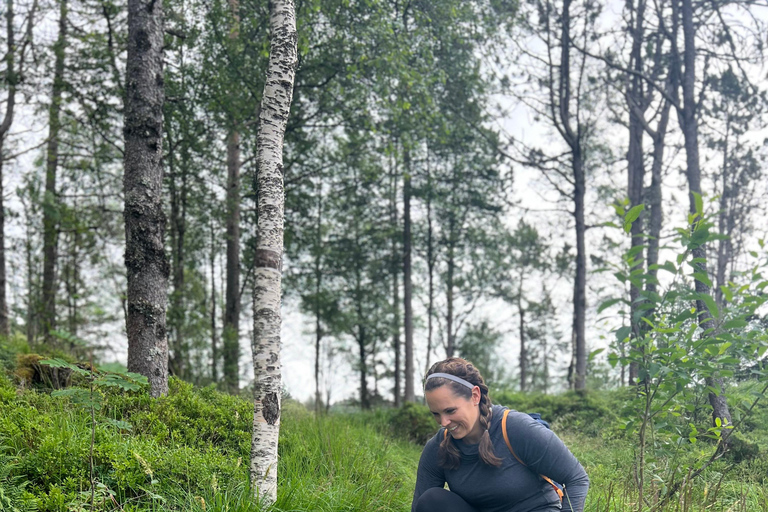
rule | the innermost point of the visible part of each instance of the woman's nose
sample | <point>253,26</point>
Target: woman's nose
<point>444,421</point>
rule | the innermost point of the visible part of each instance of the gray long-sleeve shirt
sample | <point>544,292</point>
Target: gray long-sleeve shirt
<point>512,487</point>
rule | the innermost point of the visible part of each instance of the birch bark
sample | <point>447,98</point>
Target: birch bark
<point>275,108</point>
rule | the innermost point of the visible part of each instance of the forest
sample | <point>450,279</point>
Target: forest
<point>232,230</point>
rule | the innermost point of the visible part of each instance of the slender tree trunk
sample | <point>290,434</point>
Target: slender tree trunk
<point>11,79</point>
<point>636,167</point>
<point>232,308</point>
<point>398,370</point>
<point>449,291</point>
<point>654,196</point>
<point>579,298</point>
<point>5,328</point>
<point>50,201</point>
<point>214,338</point>
<point>178,228</point>
<point>145,259</point>
<point>32,302</point>
<point>318,289</point>
<point>275,110</point>
<point>410,395</point>
<point>689,124</point>
<point>430,269</point>
<point>724,245</point>
<point>573,137</point>
<point>523,352</point>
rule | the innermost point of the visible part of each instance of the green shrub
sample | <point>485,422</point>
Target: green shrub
<point>590,413</point>
<point>412,422</point>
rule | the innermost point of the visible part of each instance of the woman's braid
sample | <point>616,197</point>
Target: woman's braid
<point>448,454</point>
<point>486,446</point>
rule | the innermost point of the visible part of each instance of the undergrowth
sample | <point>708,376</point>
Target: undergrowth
<point>189,451</point>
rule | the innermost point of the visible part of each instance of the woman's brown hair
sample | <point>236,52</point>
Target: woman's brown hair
<point>448,455</point>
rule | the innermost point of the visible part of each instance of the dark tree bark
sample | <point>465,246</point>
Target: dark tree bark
<point>231,335</point>
<point>688,118</point>
<point>430,271</point>
<point>635,163</point>
<point>145,259</point>
<point>318,287</point>
<point>563,117</point>
<point>178,362</point>
<point>50,201</point>
<point>214,336</point>
<point>523,351</point>
<point>410,395</point>
<point>449,288</point>
<point>395,269</point>
<point>5,328</point>
<point>12,76</point>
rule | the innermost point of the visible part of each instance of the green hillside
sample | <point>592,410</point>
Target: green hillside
<point>190,450</point>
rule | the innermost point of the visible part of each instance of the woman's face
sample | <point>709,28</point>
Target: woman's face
<point>459,415</point>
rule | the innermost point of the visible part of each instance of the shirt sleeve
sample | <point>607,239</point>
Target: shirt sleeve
<point>544,453</point>
<point>429,473</point>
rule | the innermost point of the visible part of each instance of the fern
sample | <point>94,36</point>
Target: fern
<point>13,495</point>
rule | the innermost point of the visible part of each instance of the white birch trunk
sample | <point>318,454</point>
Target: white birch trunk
<point>275,107</point>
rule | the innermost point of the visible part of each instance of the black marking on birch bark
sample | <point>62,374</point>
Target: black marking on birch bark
<point>271,408</point>
<point>268,258</point>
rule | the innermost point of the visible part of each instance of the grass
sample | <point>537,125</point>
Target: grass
<point>189,451</point>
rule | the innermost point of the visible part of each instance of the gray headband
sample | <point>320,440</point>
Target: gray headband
<point>451,377</point>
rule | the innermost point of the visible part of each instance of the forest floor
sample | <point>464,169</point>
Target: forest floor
<point>189,451</point>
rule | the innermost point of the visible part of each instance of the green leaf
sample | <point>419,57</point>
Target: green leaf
<point>608,303</point>
<point>119,424</point>
<point>699,203</point>
<point>60,363</point>
<point>703,278</point>
<point>595,353</point>
<point>668,266</point>
<point>633,214</point>
<point>736,323</point>
<point>623,333</point>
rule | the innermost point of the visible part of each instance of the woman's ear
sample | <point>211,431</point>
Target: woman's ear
<point>476,395</point>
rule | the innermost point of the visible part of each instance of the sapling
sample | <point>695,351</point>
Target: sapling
<point>676,351</point>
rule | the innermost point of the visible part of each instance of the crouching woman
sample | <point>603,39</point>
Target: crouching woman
<point>484,471</point>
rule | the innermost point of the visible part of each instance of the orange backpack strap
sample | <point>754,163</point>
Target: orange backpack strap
<point>556,487</point>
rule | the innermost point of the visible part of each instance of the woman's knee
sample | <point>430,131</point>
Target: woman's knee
<point>438,499</point>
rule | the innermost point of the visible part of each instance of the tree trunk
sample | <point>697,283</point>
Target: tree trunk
<point>395,292</point>
<point>579,296</point>
<point>50,201</point>
<point>689,124</point>
<point>636,168</point>
<point>318,288</point>
<point>523,353</point>
<point>578,369</point>
<point>214,338</point>
<point>275,110</point>
<point>410,395</point>
<point>11,79</point>
<point>654,196</point>
<point>178,228</point>
<point>451,341</point>
<point>232,309</point>
<point>145,259</point>
<point>5,328</point>
<point>430,269</point>
<point>724,245</point>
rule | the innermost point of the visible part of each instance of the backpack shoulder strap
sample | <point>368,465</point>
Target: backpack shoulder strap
<point>556,487</point>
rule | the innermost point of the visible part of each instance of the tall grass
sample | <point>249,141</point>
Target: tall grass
<point>189,452</point>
